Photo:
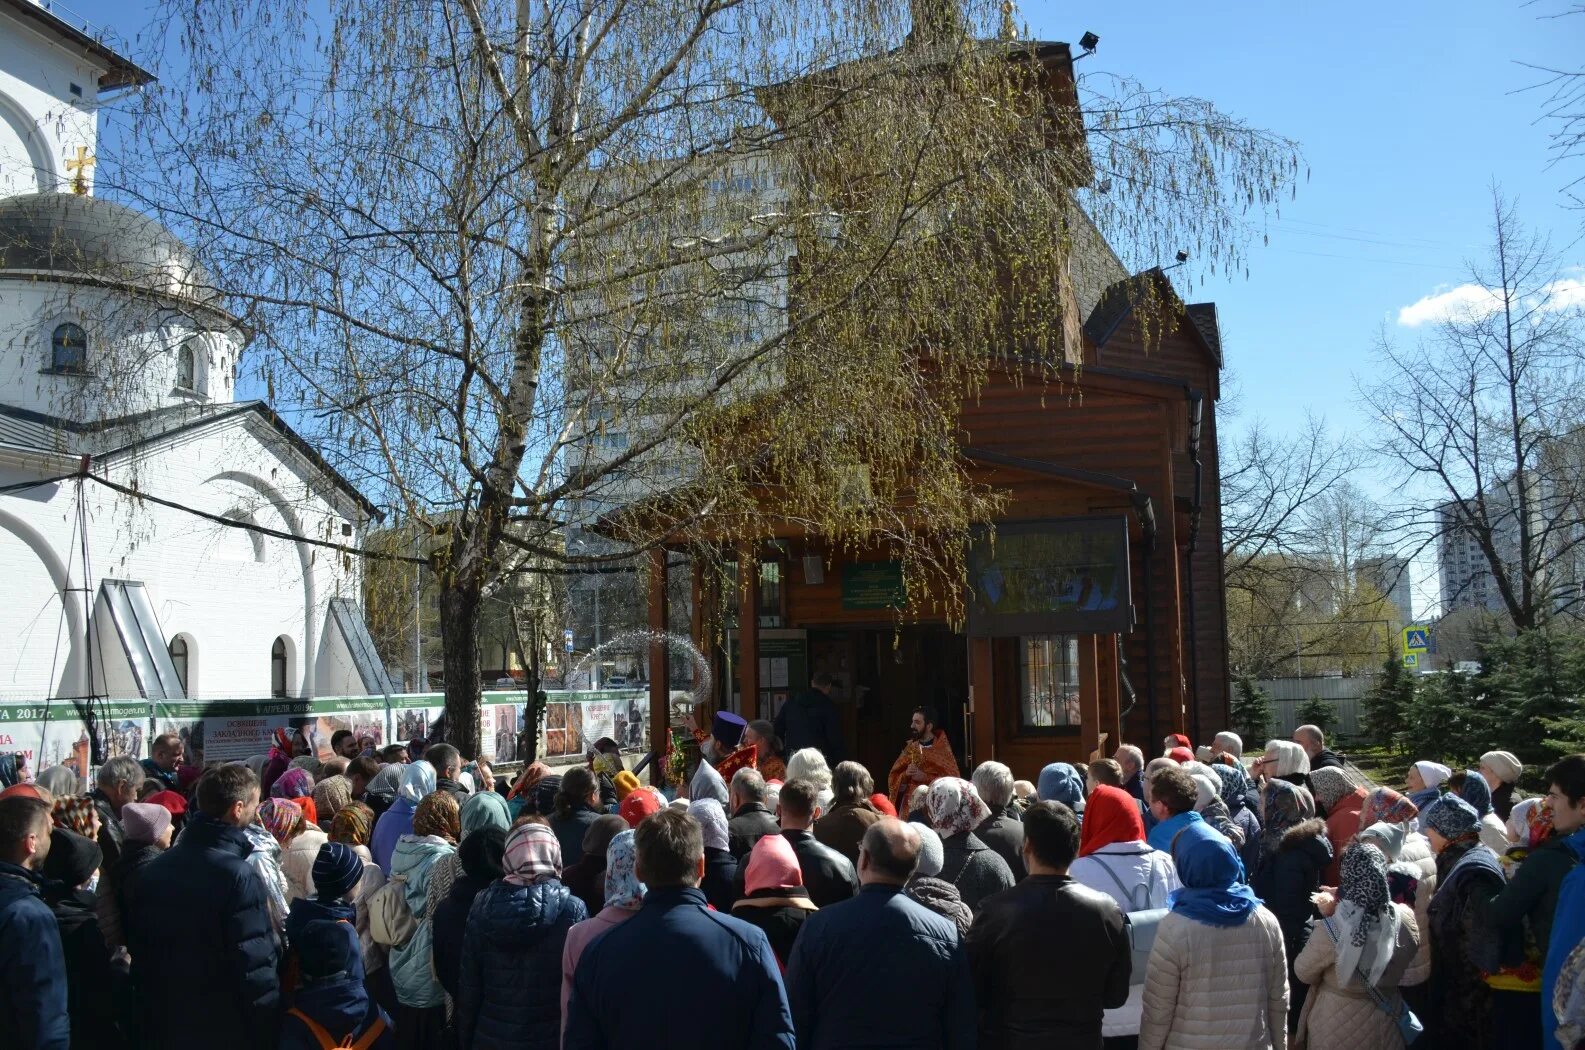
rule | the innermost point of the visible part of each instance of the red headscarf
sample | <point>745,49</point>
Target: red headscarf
<point>884,804</point>
<point>1182,741</point>
<point>1111,815</point>
<point>1181,755</point>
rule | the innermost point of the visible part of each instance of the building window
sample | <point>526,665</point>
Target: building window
<point>279,668</point>
<point>770,614</point>
<point>179,657</point>
<point>186,367</point>
<point>69,349</point>
<point>1048,681</point>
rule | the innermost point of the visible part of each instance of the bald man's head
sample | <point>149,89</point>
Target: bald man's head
<point>890,852</point>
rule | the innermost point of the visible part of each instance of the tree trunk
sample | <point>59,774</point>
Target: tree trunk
<point>459,640</point>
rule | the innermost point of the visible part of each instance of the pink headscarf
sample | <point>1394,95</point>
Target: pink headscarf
<point>294,783</point>
<point>772,865</point>
<point>954,806</point>
<point>532,855</point>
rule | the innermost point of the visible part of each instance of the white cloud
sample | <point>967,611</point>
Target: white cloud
<point>1472,302</point>
<point>1465,302</point>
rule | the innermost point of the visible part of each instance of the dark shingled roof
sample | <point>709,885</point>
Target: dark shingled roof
<point>79,237</point>
<point>1119,300</point>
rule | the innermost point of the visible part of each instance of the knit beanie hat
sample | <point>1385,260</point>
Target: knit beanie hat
<point>931,854</point>
<point>337,869</point>
<point>1505,764</point>
<point>72,857</point>
<point>170,800</point>
<point>624,782</point>
<point>144,822</point>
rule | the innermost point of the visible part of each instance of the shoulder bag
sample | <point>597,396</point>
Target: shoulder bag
<point>1409,1025</point>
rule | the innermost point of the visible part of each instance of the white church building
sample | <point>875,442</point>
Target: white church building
<point>159,539</point>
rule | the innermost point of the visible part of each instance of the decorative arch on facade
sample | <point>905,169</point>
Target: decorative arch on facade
<point>60,576</point>
<point>46,176</point>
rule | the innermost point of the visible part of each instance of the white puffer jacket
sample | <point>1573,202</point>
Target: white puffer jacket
<point>1216,987</point>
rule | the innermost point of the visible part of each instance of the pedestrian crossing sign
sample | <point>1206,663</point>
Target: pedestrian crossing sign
<point>1411,661</point>
<point>1416,638</point>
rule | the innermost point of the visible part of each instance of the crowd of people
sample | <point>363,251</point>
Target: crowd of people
<point>408,898</point>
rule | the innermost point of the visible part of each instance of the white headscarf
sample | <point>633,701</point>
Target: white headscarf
<point>418,780</point>
<point>707,783</point>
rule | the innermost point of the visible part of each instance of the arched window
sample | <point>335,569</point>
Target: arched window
<point>179,654</point>
<point>69,348</point>
<point>279,667</point>
<point>186,367</point>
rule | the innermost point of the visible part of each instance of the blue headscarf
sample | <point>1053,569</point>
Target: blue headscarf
<point>1213,888</point>
<point>1476,792</point>
<point>1060,782</point>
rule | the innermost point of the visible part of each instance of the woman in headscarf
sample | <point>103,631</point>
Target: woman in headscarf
<point>523,788</point>
<point>1060,782</point>
<point>265,860</point>
<point>577,806</point>
<point>278,760</point>
<point>383,787</point>
<point>624,895</point>
<point>1284,760</point>
<point>77,813</point>
<point>481,810</point>
<point>1209,805</point>
<point>480,857</point>
<point>1501,771</point>
<point>774,899</point>
<point>510,992</point>
<point>1471,787</point>
<point>420,1000</point>
<point>295,782</point>
<point>955,810</point>
<point>1115,860</point>
<point>352,826</point>
<point>1459,1007</point>
<point>1294,851</point>
<point>61,781</point>
<point>330,795</point>
<point>586,879</point>
<point>926,888</point>
<point>300,839</point>
<point>1339,801</point>
<point>1237,791</point>
<point>1425,783</point>
<point>720,867</point>
<point>1217,976</point>
<point>1363,939</point>
<point>418,781</point>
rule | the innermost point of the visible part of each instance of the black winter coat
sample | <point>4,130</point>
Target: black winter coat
<point>828,876</point>
<point>1004,834</point>
<point>93,991</point>
<point>1029,996</point>
<point>1287,878</point>
<point>720,877</point>
<point>510,995</point>
<point>748,825</point>
<point>810,719</point>
<point>570,831</point>
<point>213,972</point>
<point>779,915</point>
<point>450,924</point>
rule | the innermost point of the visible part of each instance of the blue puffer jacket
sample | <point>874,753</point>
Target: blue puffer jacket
<point>32,965</point>
<point>1568,929</point>
<point>510,994</point>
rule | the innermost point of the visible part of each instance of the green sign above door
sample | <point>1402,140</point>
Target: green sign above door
<point>873,585</point>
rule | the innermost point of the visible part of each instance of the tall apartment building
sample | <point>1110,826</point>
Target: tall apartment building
<point>1389,574</point>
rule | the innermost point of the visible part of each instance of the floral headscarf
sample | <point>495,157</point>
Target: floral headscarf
<point>485,809</point>
<point>712,819</point>
<point>532,855</point>
<point>1283,806</point>
<point>280,746</point>
<point>438,815</point>
<point>1330,786</point>
<point>418,782</point>
<point>1235,785</point>
<point>282,818</point>
<point>331,794</point>
<point>529,779</point>
<point>1529,822</point>
<point>1366,920</point>
<point>75,813</point>
<point>1386,806</point>
<point>353,824</point>
<point>296,782</point>
<point>622,888</point>
<point>955,807</point>
<point>1476,792</point>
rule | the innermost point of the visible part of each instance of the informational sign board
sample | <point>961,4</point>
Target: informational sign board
<point>1062,576</point>
<point>873,585</point>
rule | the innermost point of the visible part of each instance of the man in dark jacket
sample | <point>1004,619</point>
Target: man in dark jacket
<point>1132,762</point>
<point>828,875</point>
<point>1002,831</point>
<point>750,821</point>
<point>1032,993</point>
<point>447,761</point>
<point>1313,740</point>
<point>850,956</point>
<point>725,963</point>
<point>117,783</point>
<point>165,754</point>
<point>810,719</point>
<point>32,964</point>
<point>222,984</point>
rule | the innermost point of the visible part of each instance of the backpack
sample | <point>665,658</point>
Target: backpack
<point>354,1040</point>
<point>1141,923</point>
<point>391,922</point>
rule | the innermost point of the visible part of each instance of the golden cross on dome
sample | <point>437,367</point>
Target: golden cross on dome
<point>79,167</point>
